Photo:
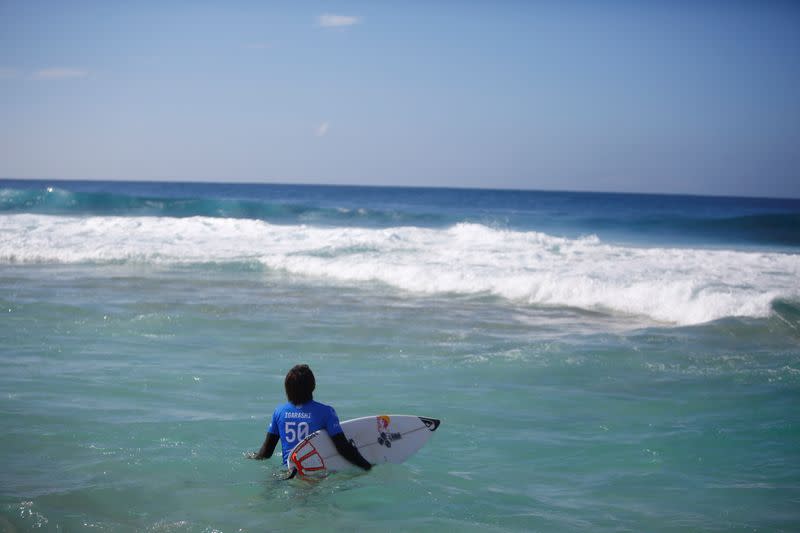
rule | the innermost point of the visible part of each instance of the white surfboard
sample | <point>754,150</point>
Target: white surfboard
<point>379,438</point>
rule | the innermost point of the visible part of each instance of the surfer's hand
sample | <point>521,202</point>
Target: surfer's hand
<point>367,467</point>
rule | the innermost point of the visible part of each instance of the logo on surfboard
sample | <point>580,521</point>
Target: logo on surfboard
<point>386,437</point>
<point>430,423</point>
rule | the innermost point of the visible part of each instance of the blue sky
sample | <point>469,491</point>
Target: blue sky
<point>686,97</point>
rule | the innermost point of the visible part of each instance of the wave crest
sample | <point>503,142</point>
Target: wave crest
<point>675,285</point>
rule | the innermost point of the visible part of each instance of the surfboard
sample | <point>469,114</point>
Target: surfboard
<point>379,438</point>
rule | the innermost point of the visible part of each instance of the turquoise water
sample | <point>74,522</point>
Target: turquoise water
<point>639,377</point>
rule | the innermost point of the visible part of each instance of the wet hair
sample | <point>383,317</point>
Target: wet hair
<point>300,384</point>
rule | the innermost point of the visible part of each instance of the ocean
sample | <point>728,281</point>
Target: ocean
<point>600,362</point>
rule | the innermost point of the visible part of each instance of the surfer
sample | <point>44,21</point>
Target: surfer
<point>301,416</point>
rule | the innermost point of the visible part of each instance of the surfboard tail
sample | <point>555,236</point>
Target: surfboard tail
<point>306,459</point>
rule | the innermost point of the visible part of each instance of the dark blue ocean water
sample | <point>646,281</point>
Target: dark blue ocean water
<point>621,217</point>
<point>601,362</point>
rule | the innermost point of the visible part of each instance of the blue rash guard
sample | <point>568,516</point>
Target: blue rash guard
<point>292,423</point>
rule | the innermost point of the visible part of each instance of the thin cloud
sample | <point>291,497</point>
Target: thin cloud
<point>8,73</point>
<point>258,46</point>
<point>337,21</point>
<point>60,73</point>
<point>322,129</point>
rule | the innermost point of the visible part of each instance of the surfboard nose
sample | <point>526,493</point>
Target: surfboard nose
<point>430,423</point>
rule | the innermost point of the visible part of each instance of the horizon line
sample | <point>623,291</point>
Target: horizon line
<point>393,186</point>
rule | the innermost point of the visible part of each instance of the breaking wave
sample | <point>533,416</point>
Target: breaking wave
<point>674,285</point>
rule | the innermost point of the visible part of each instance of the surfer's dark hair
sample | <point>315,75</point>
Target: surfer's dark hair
<point>300,384</point>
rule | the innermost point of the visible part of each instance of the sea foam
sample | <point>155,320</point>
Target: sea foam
<point>674,285</point>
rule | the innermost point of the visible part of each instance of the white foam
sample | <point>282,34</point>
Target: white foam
<point>676,285</point>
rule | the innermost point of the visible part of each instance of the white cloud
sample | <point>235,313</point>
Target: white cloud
<point>322,129</point>
<point>337,21</point>
<point>60,73</point>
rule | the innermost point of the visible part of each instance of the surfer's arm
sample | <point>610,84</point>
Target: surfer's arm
<point>268,447</point>
<point>349,452</point>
